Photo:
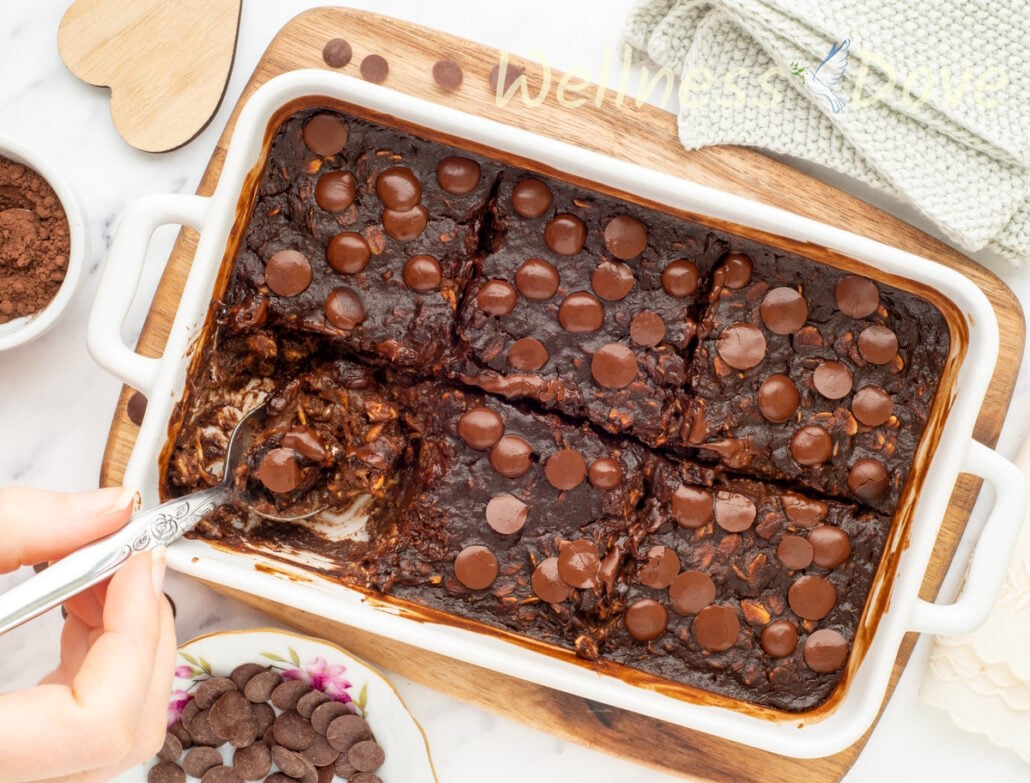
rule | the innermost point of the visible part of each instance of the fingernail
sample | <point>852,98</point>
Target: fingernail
<point>102,501</point>
<point>157,569</point>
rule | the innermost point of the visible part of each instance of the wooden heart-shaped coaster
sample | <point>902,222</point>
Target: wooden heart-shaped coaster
<point>166,62</point>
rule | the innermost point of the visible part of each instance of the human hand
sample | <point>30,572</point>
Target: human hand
<point>104,709</point>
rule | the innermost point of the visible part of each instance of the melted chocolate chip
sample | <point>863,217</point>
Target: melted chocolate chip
<point>778,398</point>
<point>794,552</point>
<point>605,473</point>
<point>527,355</point>
<point>565,234</point>
<point>476,567</point>
<point>802,511</point>
<point>691,591</point>
<point>614,366</point>
<point>288,273</point>
<point>878,345</point>
<point>868,480</point>
<point>375,69</point>
<point>344,308</point>
<point>825,651</point>
<point>832,380</point>
<point>647,329</point>
<point>625,237</point>
<point>872,406</point>
<point>405,225</point>
<point>741,346</point>
<point>779,638</point>
<point>716,628</point>
<point>531,198</point>
<point>305,441</point>
<point>537,280</point>
<point>660,568</point>
<point>612,281</point>
<point>646,619</point>
<point>679,278</point>
<point>830,546</point>
<point>480,428</point>
<point>337,53</point>
<point>692,507</point>
<point>565,469</point>
<point>737,269</point>
<point>458,175</point>
<point>581,312</point>
<point>811,445</point>
<point>279,471</point>
<point>511,456</point>
<point>398,188</point>
<point>136,407</point>
<point>856,296</point>
<point>784,310</point>
<point>811,597</point>
<point>506,514</point>
<point>734,512</point>
<point>335,191</point>
<point>497,297</point>
<point>348,253</point>
<point>548,584</point>
<point>448,75</point>
<point>579,563</point>
<point>422,273</point>
<point>326,134</point>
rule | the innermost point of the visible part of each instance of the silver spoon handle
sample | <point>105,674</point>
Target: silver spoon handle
<point>95,562</point>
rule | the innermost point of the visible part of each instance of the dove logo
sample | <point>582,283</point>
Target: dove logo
<point>827,74</point>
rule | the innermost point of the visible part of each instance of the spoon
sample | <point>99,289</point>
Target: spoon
<point>158,526</point>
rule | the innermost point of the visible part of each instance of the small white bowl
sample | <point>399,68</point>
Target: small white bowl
<point>29,327</point>
<point>328,668</point>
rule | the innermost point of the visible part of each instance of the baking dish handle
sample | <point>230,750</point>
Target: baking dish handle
<point>993,549</point>
<point>121,279</point>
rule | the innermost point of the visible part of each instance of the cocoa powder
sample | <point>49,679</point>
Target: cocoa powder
<point>34,241</point>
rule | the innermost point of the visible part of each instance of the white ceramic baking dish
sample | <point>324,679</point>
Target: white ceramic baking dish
<point>824,731</point>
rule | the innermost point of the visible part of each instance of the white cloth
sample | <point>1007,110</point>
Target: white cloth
<point>959,151</point>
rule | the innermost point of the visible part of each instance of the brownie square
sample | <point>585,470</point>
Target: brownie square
<point>586,305</point>
<point>809,374</point>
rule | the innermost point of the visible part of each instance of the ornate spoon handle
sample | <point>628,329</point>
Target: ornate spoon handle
<point>86,567</point>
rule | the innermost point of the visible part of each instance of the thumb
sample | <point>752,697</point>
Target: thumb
<point>36,525</point>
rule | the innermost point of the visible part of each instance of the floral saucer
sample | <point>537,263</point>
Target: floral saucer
<point>325,667</point>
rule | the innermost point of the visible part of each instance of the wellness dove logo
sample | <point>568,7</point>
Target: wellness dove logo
<point>827,74</point>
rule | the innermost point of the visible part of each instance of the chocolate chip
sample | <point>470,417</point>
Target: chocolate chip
<point>527,355</point>
<point>458,175</point>
<point>306,442</point>
<point>321,753</point>
<point>511,74</point>
<point>286,696</point>
<point>288,273</point>
<point>279,471</point>
<point>398,188</point>
<point>692,507</point>
<point>404,225</point>
<point>448,75</point>
<point>290,762</point>
<point>612,281</point>
<point>422,273</point>
<point>324,714</point>
<point>830,546</point>
<point>337,53</point>
<point>328,774</point>
<point>832,380</point>
<point>221,774</point>
<point>825,651</point>
<point>326,134</point>
<point>366,756</point>
<point>679,278</point>
<point>259,687</point>
<point>605,473</point>
<point>181,734</point>
<point>189,713</point>
<point>625,237</point>
<point>209,691</point>
<point>309,701</point>
<point>531,198</point>
<point>856,296</point>
<point>348,253</point>
<point>292,731</point>
<point>343,768</point>
<point>375,69</point>
<point>480,427</point>
<point>565,234</point>
<point>736,270</point>
<point>794,552</point>
<point>872,406</point>
<point>691,591</point>
<point>252,762</point>
<point>166,772</point>
<point>548,584</point>
<point>231,717</point>
<point>171,749</point>
<point>264,717</point>
<point>344,308</point>
<point>811,597</point>
<point>565,469</point>
<point>579,563</point>
<point>779,638</point>
<point>803,511</point>
<point>335,191</point>
<point>716,628</point>
<point>741,346</point>
<point>536,279</point>
<point>347,730</point>
<point>202,732</point>
<point>647,329</point>
<point>868,480</point>
<point>497,297</point>
<point>613,366</point>
<point>660,568</point>
<point>811,445</point>
<point>580,312</point>
<point>878,344</point>
<point>778,398</point>
<point>506,514</point>
<point>476,567</point>
<point>136,407</point>
<point>784,310</point>
<point>200,760</point>
<point>734,512</point>
<point>646,619</point>
<point>511,456</point>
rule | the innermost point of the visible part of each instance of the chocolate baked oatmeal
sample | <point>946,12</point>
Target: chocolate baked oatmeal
<point>563,416</point>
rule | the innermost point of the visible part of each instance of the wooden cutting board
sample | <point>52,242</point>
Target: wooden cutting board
<point>643,135</point>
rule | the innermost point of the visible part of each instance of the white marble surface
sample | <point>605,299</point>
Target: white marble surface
<point>55,404</point>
